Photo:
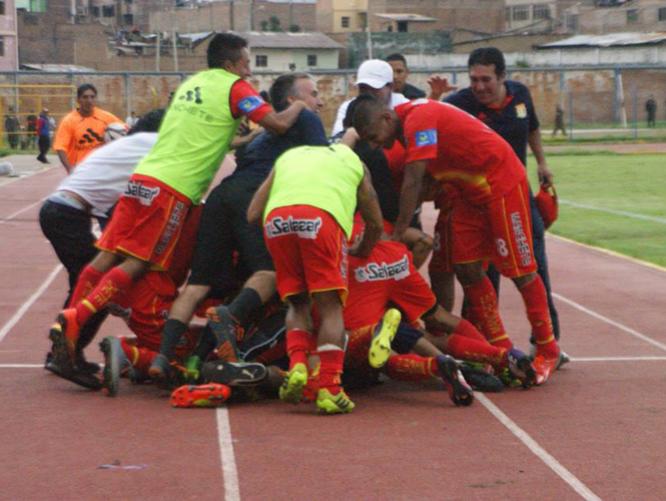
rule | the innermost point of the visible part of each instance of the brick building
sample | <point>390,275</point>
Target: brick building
<point>8,36</point>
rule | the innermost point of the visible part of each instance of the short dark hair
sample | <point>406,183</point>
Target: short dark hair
<point>487,56</point>
<point>396,56</point>
<point>150,122</point>
<point>283,88</point>
<point>84,87</point>
<point>224,47</point>
<point>365,109</point>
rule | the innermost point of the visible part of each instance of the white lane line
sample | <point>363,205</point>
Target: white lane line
<point>618,359</point>
<point>21,366</point>
<point>607,320</point>
<point>537,450</point>
<point>25,176</point>
<point>615,212</point>
<point>227,458</point>
<point>20,211</point>
<point>29,302</point>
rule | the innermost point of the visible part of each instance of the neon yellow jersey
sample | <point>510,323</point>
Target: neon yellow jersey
<point>195,134</point>
<point>326,177</point>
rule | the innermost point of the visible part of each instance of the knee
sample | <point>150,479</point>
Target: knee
<point>469,273</point>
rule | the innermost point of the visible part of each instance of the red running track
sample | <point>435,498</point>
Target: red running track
<point>594,431</point>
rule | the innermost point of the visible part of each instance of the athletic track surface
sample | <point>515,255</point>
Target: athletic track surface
<point>595,431</point>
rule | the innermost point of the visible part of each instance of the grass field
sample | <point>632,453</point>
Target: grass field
<point>613,201</point>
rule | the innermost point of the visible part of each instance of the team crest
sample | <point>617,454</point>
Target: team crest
<point>426,137</point>
<point>521,110</point>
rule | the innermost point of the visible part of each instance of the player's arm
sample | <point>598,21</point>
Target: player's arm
<point>439,86</point>
<point>410,195</point>
<point>368,206</point>
<point>279,123</point>
<point>62,155</point>
<point>259,200</point>
<point>544,173</point>
<point>61,142</point>
<point>350,138</point>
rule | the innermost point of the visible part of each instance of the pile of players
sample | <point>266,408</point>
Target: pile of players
<point>303,262</point>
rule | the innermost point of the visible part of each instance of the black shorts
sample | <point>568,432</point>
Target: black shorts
<point>228,248</point>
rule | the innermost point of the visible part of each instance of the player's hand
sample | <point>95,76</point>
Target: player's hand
<point>545,176</point>
<point>439,86</point>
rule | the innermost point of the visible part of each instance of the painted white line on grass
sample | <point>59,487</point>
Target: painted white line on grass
<point>537,450</point>
<point>615,212</point>
<point>30,301</point>
<point>227,458</point>
<point>20,211</point>
<point>607,320</point>
<point>618,359</point>
<point>21,366</point>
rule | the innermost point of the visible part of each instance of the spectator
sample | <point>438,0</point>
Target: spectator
<point>651,110</point>
<point>82,129</point>
<point>131,119</point>
<point>31,128</point>
<point>438,86</point>
<point>12,127</point>
<point>43,135</point>
<point>559,121</point>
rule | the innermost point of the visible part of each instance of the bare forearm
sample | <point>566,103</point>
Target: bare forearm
<point>534,140</point>
<point>64,161</point>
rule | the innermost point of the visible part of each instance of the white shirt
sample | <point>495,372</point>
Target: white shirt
<point>131,121</point>
<point>102,176</point>
<point>396,99</point>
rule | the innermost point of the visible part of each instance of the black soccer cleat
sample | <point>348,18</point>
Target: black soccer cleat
<point>233,373</point>
<point>459,391</point>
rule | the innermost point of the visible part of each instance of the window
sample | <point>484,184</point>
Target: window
<point>95,11</point>
<point>261,61</point>
<point>662,13</point>
<point>2,8</point>
<point>128,19</point>
<point>632,16</point>
<point>108,10</point>
<point>521,13</point>
<point>402,26</point>
<point>540,12</point>
<point>2,46</point>
<point>507,14</point>
<point>344,21</point>
<point>312,59</point>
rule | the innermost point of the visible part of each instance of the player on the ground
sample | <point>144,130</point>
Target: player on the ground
<point>308,203</point>
<point>225,235</point>
<point>82,130</point>
<point>491,213</point>
<point>195,135</point>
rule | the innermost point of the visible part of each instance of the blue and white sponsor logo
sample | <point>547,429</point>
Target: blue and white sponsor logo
<point>250,103</point>
<point>426,137</point>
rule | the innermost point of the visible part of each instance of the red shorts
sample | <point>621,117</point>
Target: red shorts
<point>309,250</point>
<point>500,231</point>
<point>147,222</point>
<point>442,259</point>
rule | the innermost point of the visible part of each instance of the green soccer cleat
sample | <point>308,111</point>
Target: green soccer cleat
<point>291,390</point>
<point>380,347</point>
<point>327,403</point>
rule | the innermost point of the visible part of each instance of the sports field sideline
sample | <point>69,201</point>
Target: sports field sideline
<point>592,432</point>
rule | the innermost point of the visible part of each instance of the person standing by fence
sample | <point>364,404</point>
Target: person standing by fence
<point>43,135</point>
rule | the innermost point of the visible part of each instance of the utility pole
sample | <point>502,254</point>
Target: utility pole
<point>157,52</point>
<point>175,50</point>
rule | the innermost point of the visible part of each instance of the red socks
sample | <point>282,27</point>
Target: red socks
<point>299,344</point>
<point>88,279</point>
<point>536,305</point>
<point>114,281</point>
<point>140,358</point>
<point>411,367</point>
<point>330,369</point>
<point>483,309</point>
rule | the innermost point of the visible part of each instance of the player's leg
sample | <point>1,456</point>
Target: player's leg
<point>419,243</point>
<point>300,342</point>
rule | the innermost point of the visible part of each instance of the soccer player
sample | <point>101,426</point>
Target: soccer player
<point>490,217</point>
<point>194,137</point>
<point>91,191</point>
<point>506,107</point>
<point>225,234</point>
<point>82,129</point>
<point>308,204</point>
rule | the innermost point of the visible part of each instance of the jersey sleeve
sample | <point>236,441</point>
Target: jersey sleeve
<point>421,136</point>
<point>246,101</point>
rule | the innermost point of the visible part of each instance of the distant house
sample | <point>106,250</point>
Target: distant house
<point>280,51</point>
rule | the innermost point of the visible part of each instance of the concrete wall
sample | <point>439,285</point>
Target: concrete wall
<point>280,59</point>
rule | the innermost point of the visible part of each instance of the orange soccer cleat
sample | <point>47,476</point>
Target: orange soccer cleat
<point>204,395</point>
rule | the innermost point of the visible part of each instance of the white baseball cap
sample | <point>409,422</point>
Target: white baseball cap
<point>375,73</point>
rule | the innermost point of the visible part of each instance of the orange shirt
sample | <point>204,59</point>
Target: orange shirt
<point>77,136</point>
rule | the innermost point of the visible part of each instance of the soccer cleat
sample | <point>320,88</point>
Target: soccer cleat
<point>227,330</point>
<point>205,395</point>
<point>115,363</point>
<point>459,391</point>
<point>544,367</point>
<point>340,403</point>
<point>63,367</point>
<point>161,371</point>
<point>564,359</point>
<point>291,390</point>
<point>84,366</point>
<point>233,373</point>
<point>380,347</point>
<point>192,369</point>
<point>521,368</point>
<point>480,379</point>
<point>70,330</point>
